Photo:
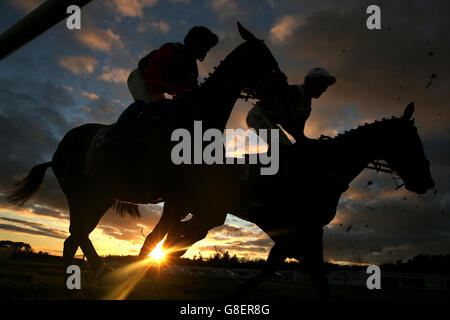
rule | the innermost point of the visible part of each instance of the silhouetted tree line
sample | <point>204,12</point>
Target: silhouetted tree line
<point>20,250</point>
<point>422,263</point>
<point>16,246</point>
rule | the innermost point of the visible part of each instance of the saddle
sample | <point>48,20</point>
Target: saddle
<point>132,131</point>
<point>139,120</point>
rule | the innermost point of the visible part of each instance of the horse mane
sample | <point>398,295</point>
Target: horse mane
<point>224,64</point>
<point>368,127</point>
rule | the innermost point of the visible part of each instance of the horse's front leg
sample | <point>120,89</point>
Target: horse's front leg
<point>183,235</point>
<point>170,216</point>
<point>276,256</point>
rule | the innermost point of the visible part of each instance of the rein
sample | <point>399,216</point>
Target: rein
<point>376,165</point>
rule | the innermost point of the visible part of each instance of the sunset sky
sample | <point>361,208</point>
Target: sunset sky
<point>67,78</point>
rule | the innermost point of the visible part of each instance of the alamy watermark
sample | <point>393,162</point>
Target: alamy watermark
<point>73,22</point>
<point>73,281</point>
<point>374,280</point>
<point>213,153</point>
<point>373,22</point>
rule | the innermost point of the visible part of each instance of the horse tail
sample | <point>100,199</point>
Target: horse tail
<point>122,208</point>
<point>26,187</point>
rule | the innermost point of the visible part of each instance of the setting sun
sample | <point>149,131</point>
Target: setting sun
<point>157,254</point>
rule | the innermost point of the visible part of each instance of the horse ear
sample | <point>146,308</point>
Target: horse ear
<point>409,110</point>
<point>245,34</point>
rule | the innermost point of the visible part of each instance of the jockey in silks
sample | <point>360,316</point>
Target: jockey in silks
<point>292,118</point>
<point>172,68</point>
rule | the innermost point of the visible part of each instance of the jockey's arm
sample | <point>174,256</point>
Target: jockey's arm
<point>157,65</point>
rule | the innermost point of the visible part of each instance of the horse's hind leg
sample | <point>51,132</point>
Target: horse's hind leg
<point>85,213</point>
<point>276,257</point>
<point>180,238</point>
<point>70,248</point>
<point>310,251</point>
<point>182,235</point>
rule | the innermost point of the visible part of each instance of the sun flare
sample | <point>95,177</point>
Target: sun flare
<point>158,253</point>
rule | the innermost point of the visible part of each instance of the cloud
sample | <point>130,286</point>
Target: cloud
<point>237,237</point>
<point>393,229</point>
<point>228,231</point>
<point>90,96</point>
<point>132,8</point>
<point>101,110</point>
<point>374,71</point>
<point>115,74</point>
<point>78,65</point>
<point>98,39</point>
<point>34,228</point>
<point>378,73</point>
<point>161,26</point>
<point>224,8</point>
<point>27,5</point>
<point>150,23</point>
<point>129,228</point>
<point>284,28</point>
<point>31,121</point>
<point>67,87</point>
<point>34,208</point>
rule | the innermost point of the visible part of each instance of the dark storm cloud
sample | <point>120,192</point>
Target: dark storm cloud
<point>101,110</point>
<point>32,228</point>
<point>31,121</point>
<point>376,68</point>
<point>33,118</point>
<point>35,208</point>
<point>378,73</point>
<point>375,224</point>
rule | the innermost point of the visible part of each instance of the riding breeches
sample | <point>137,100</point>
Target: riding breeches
<point>139,89</point>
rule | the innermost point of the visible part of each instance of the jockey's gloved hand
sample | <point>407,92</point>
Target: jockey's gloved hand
<point>183,92</point>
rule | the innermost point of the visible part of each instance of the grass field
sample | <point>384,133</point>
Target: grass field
<point>46,280</point>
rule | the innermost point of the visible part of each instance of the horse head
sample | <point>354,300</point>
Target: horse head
<point>407,157</point>
<point>265,80</point>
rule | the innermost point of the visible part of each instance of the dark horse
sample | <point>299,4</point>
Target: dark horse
<point>128,169</point>
<point>293,206</point>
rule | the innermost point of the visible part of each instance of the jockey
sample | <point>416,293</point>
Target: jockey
<point>172,68</point>
<point>292,118</point>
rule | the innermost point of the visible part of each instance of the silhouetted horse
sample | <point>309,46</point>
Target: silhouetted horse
<point>293,206</point>
<point>97,169</point>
